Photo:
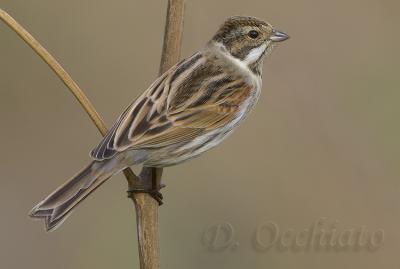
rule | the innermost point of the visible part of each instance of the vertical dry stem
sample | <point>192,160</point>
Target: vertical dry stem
<point>146,207</point>
<point>173,34</point>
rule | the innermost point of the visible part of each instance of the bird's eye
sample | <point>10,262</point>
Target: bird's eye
<point>253,34</point>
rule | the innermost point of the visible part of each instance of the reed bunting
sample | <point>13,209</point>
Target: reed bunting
<point>188,110</point>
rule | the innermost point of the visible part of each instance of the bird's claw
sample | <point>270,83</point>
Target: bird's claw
<point>153,192</point>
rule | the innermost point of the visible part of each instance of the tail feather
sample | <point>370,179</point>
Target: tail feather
<point>56,207</point>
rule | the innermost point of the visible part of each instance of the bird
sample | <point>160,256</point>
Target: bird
<point>185,112</point>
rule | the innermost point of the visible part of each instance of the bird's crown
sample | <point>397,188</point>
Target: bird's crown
<point>247,38</point>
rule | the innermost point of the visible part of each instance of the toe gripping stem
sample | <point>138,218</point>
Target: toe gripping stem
<point>149,181</point>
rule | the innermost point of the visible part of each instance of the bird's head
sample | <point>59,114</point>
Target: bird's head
<point>247,38</point>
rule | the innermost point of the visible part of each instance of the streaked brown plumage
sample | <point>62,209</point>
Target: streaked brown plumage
<point>189,109</point>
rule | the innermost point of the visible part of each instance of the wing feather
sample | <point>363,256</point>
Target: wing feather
<point>191,99</point>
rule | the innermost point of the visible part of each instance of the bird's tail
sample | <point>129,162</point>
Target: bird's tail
<point>56,207</point>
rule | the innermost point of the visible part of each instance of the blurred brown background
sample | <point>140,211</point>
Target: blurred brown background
<point>323,141</point>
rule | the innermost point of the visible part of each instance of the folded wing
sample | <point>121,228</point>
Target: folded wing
<point>189,100</point>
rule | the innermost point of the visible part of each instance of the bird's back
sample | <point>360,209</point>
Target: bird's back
<point>186,111</point>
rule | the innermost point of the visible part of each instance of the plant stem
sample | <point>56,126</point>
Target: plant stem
<point>173,35</point>
<point>146,207</point>
<point>57,68</point>
<point>64,76</point>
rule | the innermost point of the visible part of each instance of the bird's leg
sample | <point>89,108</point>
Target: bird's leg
<point>149,181</point>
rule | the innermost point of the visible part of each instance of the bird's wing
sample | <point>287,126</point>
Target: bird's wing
<point>190,99</point>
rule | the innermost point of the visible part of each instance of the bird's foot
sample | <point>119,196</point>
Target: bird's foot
<point>153,191</point>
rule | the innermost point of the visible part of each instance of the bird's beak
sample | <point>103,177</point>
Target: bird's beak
<point>278,36</point>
